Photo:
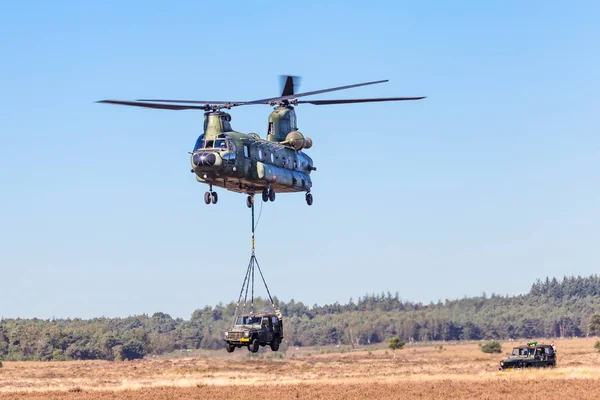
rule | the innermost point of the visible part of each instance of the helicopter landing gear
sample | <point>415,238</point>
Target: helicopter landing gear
<point>309,198</point>
<point>250,201</point>
<point>271,194</point>
<point>211,197</point>
<point>268,194</point>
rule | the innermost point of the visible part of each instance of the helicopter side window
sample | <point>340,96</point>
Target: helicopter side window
<point>246,151</point>
<point>229,157</point>
<point>200,142</point>
<point>272,158</point>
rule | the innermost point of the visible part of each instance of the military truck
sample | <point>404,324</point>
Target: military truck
<point>531,355</point>
<point>255,330</point>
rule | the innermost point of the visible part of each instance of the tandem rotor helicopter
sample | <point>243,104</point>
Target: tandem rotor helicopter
<point>246,163</point>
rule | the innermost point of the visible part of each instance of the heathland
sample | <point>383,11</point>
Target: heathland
<point>448,370</point>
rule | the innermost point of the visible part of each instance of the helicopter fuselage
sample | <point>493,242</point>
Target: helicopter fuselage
<point>246,163</point>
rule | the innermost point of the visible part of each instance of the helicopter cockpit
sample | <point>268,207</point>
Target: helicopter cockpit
<point>209,152</point>
<point>220,143</point>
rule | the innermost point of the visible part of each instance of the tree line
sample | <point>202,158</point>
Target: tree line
<point>552,308</point>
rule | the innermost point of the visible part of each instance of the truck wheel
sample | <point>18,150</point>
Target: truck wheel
<point>253,346</point>
<point>275,344</point>
<point>229,347</point>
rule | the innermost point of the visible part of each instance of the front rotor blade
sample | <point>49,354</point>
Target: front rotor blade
<point>152,105</point>
<point>192,101</point>
<point>349,101</point>
<point>293,96</point>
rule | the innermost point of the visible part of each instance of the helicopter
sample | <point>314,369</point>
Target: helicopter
<point>246,163</point>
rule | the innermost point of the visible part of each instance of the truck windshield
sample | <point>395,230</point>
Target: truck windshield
<point>523,352</point>
<point>248,320</point>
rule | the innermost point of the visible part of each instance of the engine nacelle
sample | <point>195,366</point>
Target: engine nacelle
<point>307,143</point>
<point>298,141</point>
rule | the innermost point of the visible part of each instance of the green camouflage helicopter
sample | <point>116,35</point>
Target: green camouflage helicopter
<point>246,163</point>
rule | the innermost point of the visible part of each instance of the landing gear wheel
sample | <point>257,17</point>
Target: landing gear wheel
<point>271,194</point>
<point>214,197</point>
<point>309,199</point>
<point>275,344</point>
<point>229,347</point>
<point>254,346</point>
<point>249,201</point>
<point>265,195</point>
<point>207,197</point>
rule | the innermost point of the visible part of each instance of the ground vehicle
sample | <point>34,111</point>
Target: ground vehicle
<point>531,355</point>
<point>255,330</point>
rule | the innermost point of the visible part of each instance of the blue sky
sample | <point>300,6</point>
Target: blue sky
<point>489,183</point>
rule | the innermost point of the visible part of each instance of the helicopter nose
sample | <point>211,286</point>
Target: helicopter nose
<point>204,159</point>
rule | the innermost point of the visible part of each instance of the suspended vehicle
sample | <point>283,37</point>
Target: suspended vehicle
<point>255,330</point>
<point>247,163</point>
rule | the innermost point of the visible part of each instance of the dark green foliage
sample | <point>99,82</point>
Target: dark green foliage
<point>552,308</point>
<point>597,345</point>
<point>396,343</point>
<point>594,325</point>
<point>493,346</point>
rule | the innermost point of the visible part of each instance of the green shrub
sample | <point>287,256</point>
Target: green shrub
<point>493,346</point>
<point>396,343</point>
<point>596,346</point>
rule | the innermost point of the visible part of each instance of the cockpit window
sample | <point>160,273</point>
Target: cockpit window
<point>222,142</point>
<point>199,142</point>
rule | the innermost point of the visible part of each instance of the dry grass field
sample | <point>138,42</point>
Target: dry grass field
<point>457,371</point>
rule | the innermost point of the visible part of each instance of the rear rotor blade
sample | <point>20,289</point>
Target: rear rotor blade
<point>293,96</point>
<point>349,101</point>
<point>289,84</point>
